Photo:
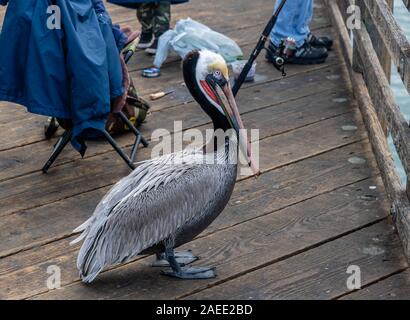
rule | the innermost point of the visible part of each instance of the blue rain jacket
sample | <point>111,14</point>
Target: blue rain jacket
<point>134,3</point>
<point>72,72</point>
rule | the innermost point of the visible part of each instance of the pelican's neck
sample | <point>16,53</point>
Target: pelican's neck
<point>223,146</point>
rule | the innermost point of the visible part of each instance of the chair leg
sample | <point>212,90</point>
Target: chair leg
<point>66,137</point>
<point>58,148</point>
<point>50,127</point>
<point>135,148</point>
<point>118,150</point>
<point>129,124</point>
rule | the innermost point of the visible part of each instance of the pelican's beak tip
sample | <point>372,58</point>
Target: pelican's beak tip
<point>256,171</point>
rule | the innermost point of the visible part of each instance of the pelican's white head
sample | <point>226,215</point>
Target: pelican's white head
<point>207,78</point>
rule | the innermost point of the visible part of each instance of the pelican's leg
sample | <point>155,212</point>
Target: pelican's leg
<point>186,272</point>
<point>183,258</point>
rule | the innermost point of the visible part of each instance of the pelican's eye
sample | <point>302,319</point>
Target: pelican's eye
<point>217,78</point>
<point>217,74</point>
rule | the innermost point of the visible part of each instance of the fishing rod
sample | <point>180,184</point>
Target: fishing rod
<point>260,45</point>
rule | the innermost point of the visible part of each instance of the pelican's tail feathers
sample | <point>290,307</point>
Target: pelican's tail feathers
<point>78,239</point>
<point>83,226</point>
<point>90,277</point>
<point>89,262</point>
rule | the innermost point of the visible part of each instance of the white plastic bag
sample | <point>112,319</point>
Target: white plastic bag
<point>190,35</point>
<point>164,46</point>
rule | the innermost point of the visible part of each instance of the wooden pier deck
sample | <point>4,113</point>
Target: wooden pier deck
<point>319,206</point>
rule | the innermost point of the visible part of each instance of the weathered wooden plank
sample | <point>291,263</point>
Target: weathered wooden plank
<point>11,112</point>
<point>343,34</point>
<point>26,159</point>
<point>395,191</point>
<point>319,273</point>
<point>380,50</point>
<point>384,103</point>
<point>35,189</point>
<point>236,250</point>
<point>396,287</point>
<point>377,38</point>
<point>22,131</point>
<point>292,184</point>
<point>343,6</point>
<point>382,96</point>
<point>393,36</point>
<point>376,134</point>
<point>2,12</point>
<point>377,138</point>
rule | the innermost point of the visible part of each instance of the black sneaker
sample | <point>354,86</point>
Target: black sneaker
<point>146,40</point>
<point>153,47</point>
<point>306,54</point>
<point>320,42</point>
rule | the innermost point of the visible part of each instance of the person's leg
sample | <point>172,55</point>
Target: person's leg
<point>293,21</point>
<point>162,18</point>
<point>161,23</point>
<point>145,15</point>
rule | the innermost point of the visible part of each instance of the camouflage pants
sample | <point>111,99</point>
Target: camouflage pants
<point>154,17</point>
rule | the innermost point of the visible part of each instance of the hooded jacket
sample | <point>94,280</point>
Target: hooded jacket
<point>68,70</point>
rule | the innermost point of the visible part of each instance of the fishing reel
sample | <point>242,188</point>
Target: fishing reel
<point>282,54</point>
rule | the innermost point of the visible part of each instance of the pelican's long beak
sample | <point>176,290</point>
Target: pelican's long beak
<point>234,117</point>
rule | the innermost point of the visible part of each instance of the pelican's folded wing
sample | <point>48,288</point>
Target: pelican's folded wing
<point>165,198</point>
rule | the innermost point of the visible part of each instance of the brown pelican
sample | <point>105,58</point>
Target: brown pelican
<point>167,201</point>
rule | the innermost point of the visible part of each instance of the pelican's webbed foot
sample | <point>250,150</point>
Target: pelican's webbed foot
<point>186,272</point>
<point>183,258</point>
<point>192,273</point>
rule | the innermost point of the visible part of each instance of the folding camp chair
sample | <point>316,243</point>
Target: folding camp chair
<point>62,142</point>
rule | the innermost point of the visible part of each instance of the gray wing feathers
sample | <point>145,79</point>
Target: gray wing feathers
<point>137,181</point>
<point>130,219</point>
